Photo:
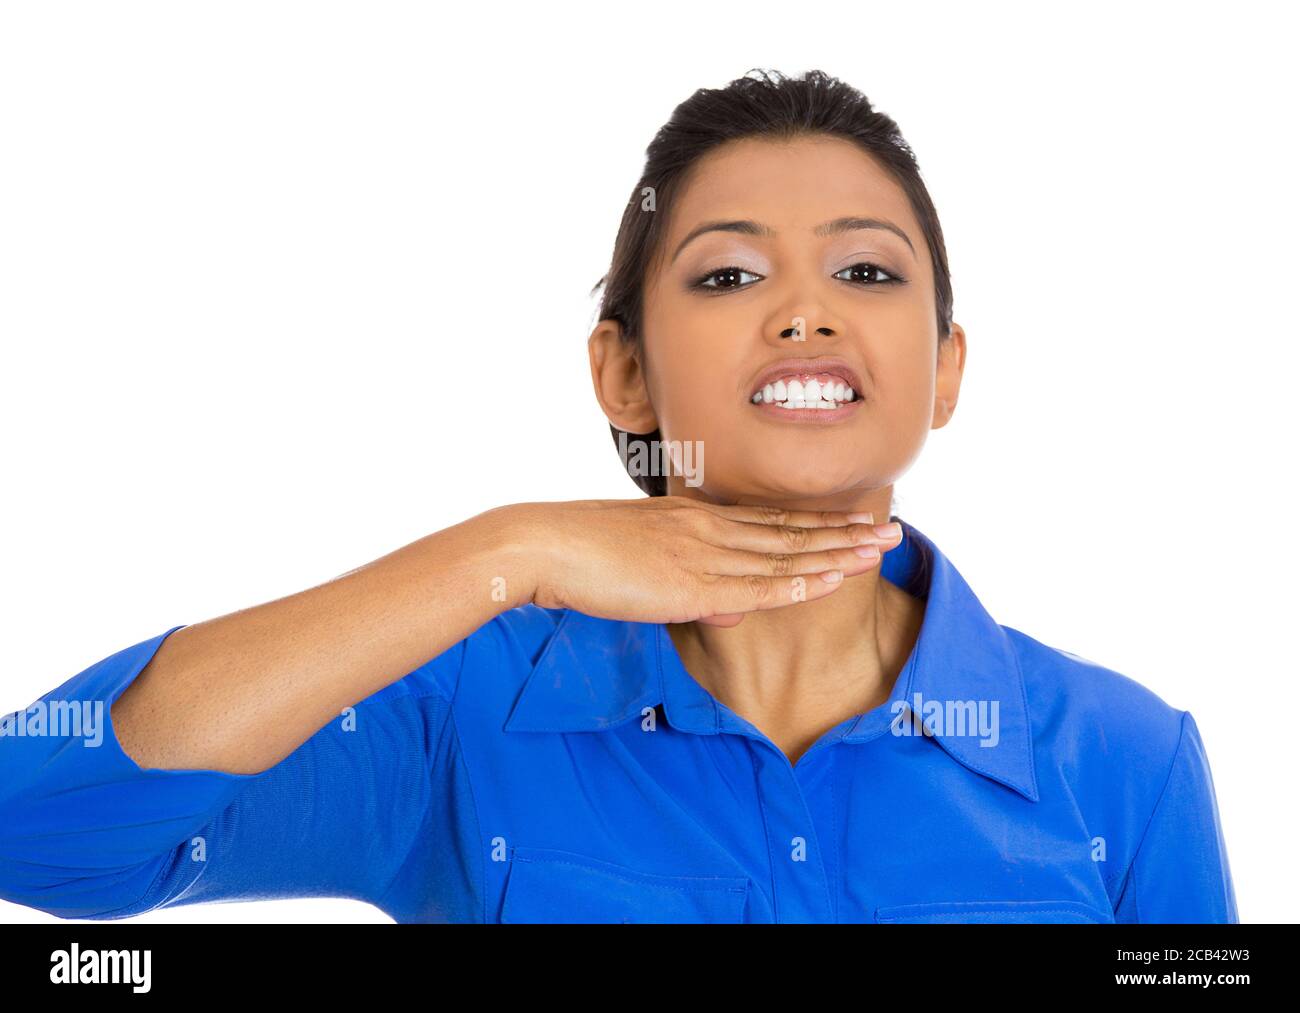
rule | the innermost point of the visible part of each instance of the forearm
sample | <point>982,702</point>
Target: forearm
<point>241,692</point>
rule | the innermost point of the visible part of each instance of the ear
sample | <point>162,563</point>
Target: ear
<point>951,364</point>
<point>619,379</point>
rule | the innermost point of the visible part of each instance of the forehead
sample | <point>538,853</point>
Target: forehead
<point>791,186</point>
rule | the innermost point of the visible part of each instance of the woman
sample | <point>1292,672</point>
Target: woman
<point>736,700</point>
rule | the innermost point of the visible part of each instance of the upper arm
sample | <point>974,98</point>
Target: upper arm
<point>1180,871</point>
<point>336,818</point>
<point>85,832</point>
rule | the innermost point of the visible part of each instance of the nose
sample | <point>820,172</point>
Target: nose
<point>798,330</point>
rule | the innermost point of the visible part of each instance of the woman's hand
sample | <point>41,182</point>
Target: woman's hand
<point>674,559</point>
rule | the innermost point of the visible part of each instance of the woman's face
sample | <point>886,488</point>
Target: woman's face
<point>723,307</point>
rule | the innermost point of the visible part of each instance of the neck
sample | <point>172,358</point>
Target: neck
<point>795,672</point>
<point>844,650</point>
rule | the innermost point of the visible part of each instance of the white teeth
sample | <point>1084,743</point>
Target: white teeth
<point>798,394</point>
<point>795,405</point>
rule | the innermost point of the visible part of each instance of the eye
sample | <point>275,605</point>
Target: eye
<point>730,279</point>
<point>864,274</point>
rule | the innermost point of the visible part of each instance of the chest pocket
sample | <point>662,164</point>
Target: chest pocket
<point>563,887</point>
<point>984,912</point>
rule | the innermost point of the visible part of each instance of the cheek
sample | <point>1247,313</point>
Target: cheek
<point>697,371</point>
<point>694,404</point>
<point>903,390</point>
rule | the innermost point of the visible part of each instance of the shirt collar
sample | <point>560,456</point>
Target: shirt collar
<point>595,674</point>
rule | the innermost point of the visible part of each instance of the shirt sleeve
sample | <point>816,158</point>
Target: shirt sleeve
<point>1180,871</point>
<point>85,832</point>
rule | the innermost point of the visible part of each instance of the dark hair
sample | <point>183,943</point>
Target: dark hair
<point>769,105</point>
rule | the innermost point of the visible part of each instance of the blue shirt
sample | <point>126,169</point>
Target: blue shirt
<point>557,767</point>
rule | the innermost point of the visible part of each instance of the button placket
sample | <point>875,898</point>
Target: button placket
<point>799,877</point>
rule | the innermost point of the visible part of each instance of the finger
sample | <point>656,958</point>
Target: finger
<point>739,563</point>
<point>790,539</point>
<point>725,595</point>
<point>727,620</point>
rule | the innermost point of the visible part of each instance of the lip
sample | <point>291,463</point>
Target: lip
<point>810,416</point>
<point>832,364</point>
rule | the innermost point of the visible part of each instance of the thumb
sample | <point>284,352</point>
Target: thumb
<point>725,620</point>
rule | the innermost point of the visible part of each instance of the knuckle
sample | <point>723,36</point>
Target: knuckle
<point>780,563</point>
<point>757,587</point>
<point>796,538</point>
<point>774,515</point>
<point>699,585</point>
<point>703,520</point>
<point>692,597</point>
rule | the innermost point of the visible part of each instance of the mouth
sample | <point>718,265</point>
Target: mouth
<point>824,389</point>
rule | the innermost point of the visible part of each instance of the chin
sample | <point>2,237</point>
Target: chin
<point>784,490</point>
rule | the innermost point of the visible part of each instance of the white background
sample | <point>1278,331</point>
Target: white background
<point>286,286</point>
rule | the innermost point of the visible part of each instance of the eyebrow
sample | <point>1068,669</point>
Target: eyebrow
<point>832,228</point>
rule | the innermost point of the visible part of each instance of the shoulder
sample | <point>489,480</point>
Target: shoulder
<point>1095,718</point>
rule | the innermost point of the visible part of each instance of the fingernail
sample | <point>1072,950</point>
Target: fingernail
<point>894,530</point>
<point>867,551</point>
<point>862,519</point>
<point>832,576</point>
